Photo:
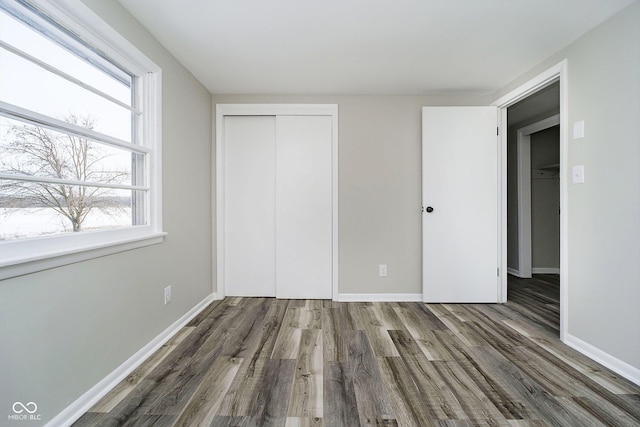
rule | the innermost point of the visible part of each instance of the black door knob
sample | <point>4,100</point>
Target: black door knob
<point>429,209</point>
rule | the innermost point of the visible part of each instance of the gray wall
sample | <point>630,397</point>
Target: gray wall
<point>603,226</point>
<point>65,329</point>
<point>545,200</point>
<point>379,185</point>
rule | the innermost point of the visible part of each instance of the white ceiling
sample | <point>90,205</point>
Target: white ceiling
<point>365,46</point>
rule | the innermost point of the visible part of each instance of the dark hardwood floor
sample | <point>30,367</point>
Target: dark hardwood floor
<point>537,298</point>
<point>268,362</point>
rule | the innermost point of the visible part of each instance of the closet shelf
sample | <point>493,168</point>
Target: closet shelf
<point>553,167</point>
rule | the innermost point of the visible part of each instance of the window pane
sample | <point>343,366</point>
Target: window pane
<point>29,86</point>
<point>26,39</point>
<point>91,178</point>
<point>36,210</point>
<point>36,151</point>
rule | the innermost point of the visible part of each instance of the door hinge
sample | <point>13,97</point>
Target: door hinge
<point>498,271</point>
<point>498,131</point>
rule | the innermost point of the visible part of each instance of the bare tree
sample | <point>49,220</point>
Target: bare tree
<point>40,152</point>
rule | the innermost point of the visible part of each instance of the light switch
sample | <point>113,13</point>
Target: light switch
<point>578,129</point>
<point>578,174</point>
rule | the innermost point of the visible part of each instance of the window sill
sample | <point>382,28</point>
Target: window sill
<point>44,260</point>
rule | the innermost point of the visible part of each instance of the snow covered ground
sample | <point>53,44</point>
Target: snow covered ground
<point>33,222</point>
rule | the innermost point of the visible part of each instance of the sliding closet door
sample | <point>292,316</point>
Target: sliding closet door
<point>249,241</point>
<point>303,207</point>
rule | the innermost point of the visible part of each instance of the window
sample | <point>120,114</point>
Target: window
<point>79,138</point>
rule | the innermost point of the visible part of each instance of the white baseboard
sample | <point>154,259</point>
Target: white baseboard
<point>81,405</point>
<point>538,270</point>
<point>545,270</point>
<point>616,365</point>
<point>380,297</point>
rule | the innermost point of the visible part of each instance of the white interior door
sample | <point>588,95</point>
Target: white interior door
<point>278,206</point>
<point>249,234</point>
<point>303,207</point>
<point>460,198</point>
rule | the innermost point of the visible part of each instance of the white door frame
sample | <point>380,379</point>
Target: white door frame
<point>557,72</point>
<point>223,110</point>
<point>524,191</point>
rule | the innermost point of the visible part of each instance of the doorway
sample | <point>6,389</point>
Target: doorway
<point>533,153</point>
<point>536,190</point>
<point>548,83</point>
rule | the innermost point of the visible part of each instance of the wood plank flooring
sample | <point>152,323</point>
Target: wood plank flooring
<point>267,362</point>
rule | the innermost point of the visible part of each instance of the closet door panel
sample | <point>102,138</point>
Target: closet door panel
<point>249,205</point>
<point>303,207</point>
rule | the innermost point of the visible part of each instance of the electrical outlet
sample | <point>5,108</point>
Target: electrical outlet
<point>382,270</point>
<point>167,295</point>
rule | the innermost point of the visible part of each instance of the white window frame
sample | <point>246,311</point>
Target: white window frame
<point>24,256</point>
